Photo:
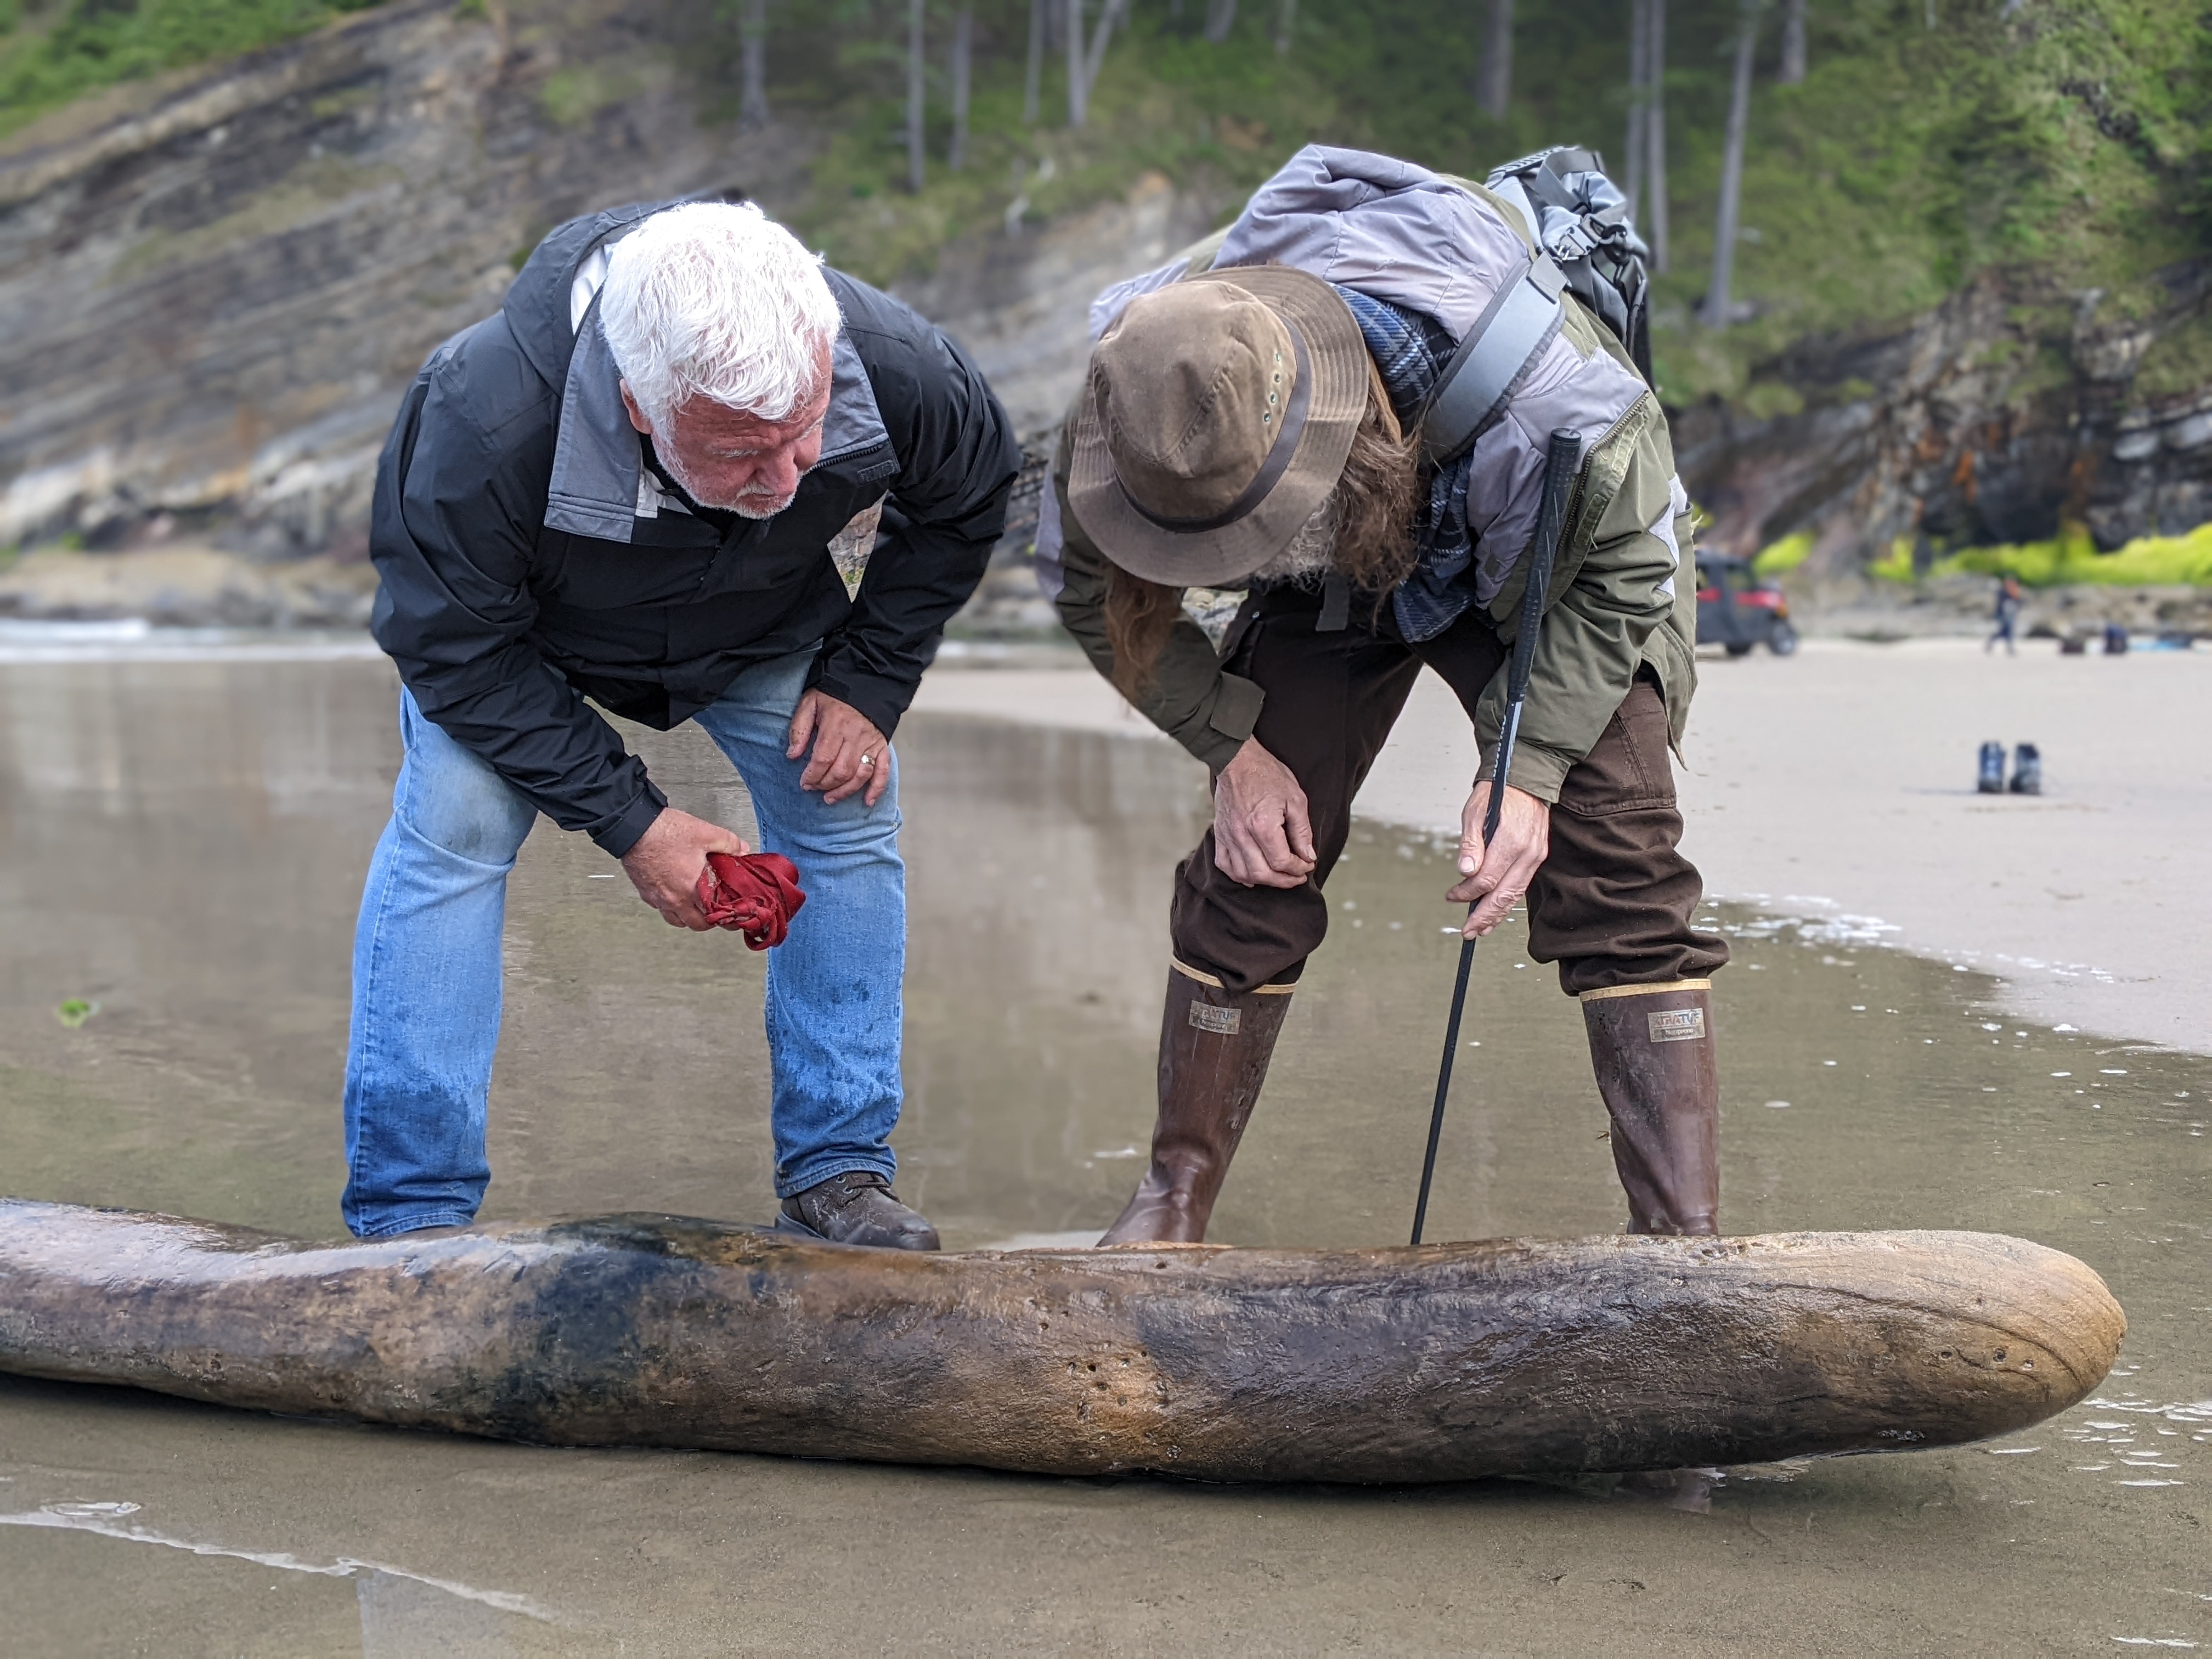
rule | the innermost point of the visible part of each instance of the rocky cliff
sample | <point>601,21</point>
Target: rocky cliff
<point>1997,417</point>
<point>213,289</point>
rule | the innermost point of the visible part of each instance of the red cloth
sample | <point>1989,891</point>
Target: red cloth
<point>756,895</point>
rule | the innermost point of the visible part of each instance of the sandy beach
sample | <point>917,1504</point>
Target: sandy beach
<point>184,1053</point>
<point>1838,783</point>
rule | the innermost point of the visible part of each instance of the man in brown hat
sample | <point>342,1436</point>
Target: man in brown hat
<point>1259,415</point>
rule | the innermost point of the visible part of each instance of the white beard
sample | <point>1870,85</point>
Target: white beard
<point>746,504</point>
<point>1310,558</point>
<point>757,507</point>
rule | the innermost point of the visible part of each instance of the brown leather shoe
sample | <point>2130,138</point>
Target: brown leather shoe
<point>1214,1048</point>
<point>856,1207</point>
<point>1651,1047</point>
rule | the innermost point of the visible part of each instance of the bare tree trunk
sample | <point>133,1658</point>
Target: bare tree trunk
<point>1639,111</point>
<point>1930,9</point>
<point>752,105</point>
<point>1220,18</point>
<point>1493,87</point>
<point>963,35</point>
<point>1718,307</point>
<point>1033,72</point>
<point>1079,81</point>
<point>1655,134</point>
<point>1099,38</point>
<point>1793,44</point>
<point>1174,15</point>
<point>1285,24</point>
<point>916,161</point>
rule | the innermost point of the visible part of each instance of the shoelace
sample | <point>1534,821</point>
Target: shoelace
<point>757,894</point>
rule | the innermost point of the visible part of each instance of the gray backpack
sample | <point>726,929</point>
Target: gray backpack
<point>1585,245</point>
<point>1581,218</point>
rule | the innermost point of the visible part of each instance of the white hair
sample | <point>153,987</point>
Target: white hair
<point>712,299</point>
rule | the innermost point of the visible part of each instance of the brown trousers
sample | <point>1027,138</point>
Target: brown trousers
<point>1615,901</point>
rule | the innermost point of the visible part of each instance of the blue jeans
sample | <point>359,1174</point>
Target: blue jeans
<point>425,966</point>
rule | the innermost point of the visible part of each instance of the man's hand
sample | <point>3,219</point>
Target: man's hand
<point>850,753</point>
<point>1499,874</point>
<point>1261,837</point>
<point>665,865</point>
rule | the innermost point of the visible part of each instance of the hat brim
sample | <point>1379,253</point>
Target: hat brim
<point>1336,356</point>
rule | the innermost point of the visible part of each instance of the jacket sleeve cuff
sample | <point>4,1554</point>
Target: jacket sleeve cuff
<point>882,702</point>
<point>1537,771</point>
<point>618,834</point>
<point>1236,705</point>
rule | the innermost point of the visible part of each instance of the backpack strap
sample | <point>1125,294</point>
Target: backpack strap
<point>1520,321</point>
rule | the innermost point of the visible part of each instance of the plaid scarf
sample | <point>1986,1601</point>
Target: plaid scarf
<point>1410,351</point>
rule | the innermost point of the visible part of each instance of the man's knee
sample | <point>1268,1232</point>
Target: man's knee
<point>1616,902</point>
<point>456,802</point>
<point>1246,937</point>
<point>850,829</point>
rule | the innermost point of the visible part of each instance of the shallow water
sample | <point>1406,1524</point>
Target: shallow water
<point>181,844</point>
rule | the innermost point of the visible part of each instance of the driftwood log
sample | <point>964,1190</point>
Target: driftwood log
<point>1443,1363</point>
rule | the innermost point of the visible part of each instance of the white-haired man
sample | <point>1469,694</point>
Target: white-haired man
<point>690,473</point>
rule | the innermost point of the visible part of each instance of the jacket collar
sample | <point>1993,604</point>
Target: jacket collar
<point>601,486</point>
<point>536,303</point>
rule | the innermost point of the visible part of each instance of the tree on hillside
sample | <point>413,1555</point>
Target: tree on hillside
<point>963,32</point>
<point>1100,38</point>
<point>1792,70</point>
<point>1220,18</point>
<point>915,159</point>
<point>1033,72</point>
<point>1719,309</point>
<point>1640,79</point>
<point>1643,176</point>
<point>1284,22</point>
<point>1082,66</point>
<point>752,31</point>
<point>1493,86</point>
<point>1079,83</point>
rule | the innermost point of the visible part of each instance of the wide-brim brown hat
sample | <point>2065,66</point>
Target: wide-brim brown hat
<point>1217,417</point>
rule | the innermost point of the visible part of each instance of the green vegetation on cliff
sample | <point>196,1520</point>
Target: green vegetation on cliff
<point>51,52</point>
<point>2046,160</point>
<point>2152,561</point>
<point>2061,141</point>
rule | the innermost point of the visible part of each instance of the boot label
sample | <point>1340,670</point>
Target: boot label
<point>1678,1025</point>
<point>1222,1022</point>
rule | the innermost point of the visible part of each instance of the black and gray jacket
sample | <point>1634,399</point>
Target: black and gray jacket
<point>531,557</point>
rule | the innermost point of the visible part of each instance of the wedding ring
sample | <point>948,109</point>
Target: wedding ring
<point>867,760</point>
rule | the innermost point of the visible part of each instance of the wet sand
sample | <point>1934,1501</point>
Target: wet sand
<point>1839,783</point>
<point>182,843</point>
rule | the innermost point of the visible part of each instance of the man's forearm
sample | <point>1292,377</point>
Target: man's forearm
<point>535,730</point>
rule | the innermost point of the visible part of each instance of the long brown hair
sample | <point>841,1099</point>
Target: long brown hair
<point>1373,507</point>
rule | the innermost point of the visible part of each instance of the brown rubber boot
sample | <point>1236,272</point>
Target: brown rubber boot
<point>1651,1047</point>
<point>1214,1047</point>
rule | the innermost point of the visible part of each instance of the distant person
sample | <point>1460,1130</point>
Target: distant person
<point>1248,422</point>
<point>655,480</point>
<point>2010,599</point>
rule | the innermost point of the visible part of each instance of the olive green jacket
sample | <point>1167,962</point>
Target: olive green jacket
<point>1620,598</point>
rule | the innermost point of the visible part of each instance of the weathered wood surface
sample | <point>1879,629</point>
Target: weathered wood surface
<point>1443,1363</point>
